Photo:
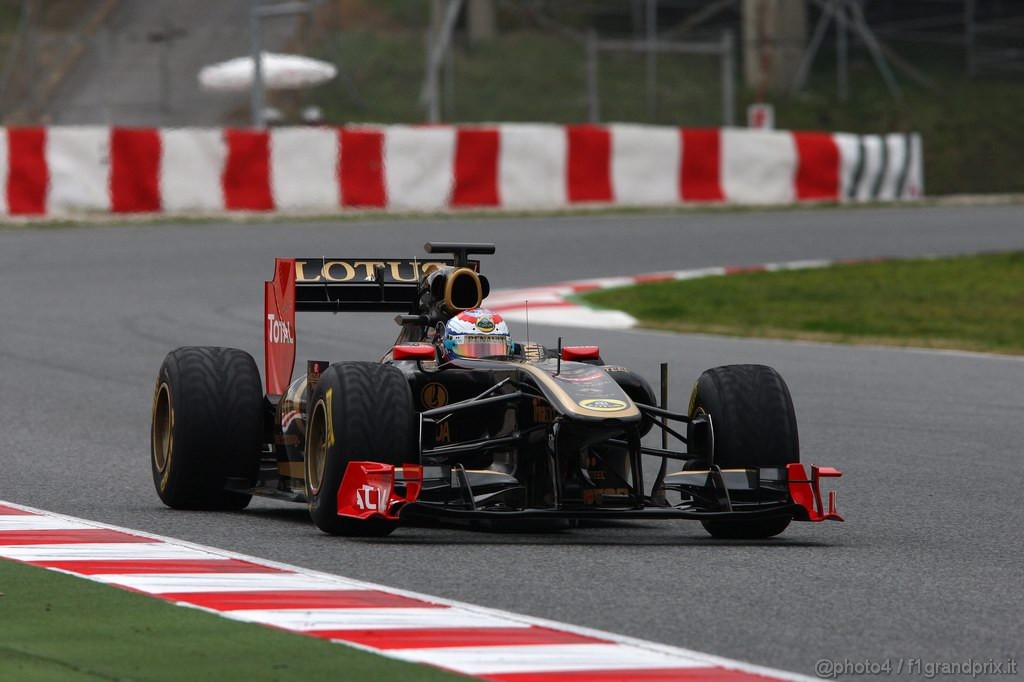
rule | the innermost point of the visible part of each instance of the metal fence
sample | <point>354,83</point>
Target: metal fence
<point>989,32</point>
<point>652,48</point>
<point>135,62</point>
<point>561,62</point>
<point>127,62</point>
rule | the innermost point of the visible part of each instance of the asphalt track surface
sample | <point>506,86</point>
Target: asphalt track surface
<point>928,565</point>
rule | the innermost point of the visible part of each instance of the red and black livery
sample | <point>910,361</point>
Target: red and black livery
<point>541,433</point>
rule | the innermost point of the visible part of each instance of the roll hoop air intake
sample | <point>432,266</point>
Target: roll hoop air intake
<point>448,291</point>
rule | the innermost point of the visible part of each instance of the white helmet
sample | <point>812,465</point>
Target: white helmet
<point>476,333</point>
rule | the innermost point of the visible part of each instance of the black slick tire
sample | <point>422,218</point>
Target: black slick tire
<point>207,427</point>
<point>754,425</point>
<point>359,411</point>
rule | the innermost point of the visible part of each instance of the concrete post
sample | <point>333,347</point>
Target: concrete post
<point>728,80</point>
<point>774,39</point>
<point>593,89</point>
<point>482,20</point>
<point>652,58</point>
<point>439,10</point>
<point>257,102</point>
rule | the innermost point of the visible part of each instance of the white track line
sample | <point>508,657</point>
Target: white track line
<point>13,523</point>
<point>103,552</point>
<point>305,620</point>
<point>217,582</point>
<point>545,658</point>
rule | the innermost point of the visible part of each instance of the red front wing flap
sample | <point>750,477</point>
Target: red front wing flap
<point>368,489</point>
<point>807,491</point>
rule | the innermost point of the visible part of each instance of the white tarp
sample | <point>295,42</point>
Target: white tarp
<point>280,72</point>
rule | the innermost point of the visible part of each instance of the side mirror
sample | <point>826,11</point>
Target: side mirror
<point>581,352</point>
<point>421,351</point>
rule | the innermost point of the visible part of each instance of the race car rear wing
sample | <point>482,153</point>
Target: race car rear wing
<point>332,285</point>
<point>349,285</point>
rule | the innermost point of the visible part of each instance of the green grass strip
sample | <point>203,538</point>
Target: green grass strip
<point>58,627</point>
<point>968,303</point>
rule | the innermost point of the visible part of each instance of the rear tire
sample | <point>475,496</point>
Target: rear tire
<point>754,425</point>
<point>358,411</point>
<point>207,427</point>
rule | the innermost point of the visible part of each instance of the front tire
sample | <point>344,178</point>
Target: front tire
<point>358,411</point>
<point>207,427</point>
<point>754,425</point>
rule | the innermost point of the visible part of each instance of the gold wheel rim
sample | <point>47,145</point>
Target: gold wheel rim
<point>316,447</point>
<point>163,421</point>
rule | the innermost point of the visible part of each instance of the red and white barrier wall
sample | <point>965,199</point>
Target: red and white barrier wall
<point>60,170</point>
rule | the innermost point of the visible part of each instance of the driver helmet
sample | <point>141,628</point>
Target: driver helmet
<point>476,333</point>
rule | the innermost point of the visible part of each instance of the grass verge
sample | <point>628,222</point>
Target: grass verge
<point>54,626</point>
<point>968,303</point>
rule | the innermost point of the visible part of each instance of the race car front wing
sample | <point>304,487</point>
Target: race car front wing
<point>376,490</point>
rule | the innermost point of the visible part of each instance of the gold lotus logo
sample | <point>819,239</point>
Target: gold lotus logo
<point>603,404</point>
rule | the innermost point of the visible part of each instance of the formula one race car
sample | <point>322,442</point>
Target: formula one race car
<point>458,421</point>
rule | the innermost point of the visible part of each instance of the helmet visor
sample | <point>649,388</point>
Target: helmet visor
<point>475,346</point>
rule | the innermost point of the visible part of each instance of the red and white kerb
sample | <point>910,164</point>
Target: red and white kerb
<point>463,638</point>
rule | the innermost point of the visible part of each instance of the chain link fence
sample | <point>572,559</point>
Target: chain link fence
<point>127,62</point>
<point>135,62</point>
<point>540,61</point>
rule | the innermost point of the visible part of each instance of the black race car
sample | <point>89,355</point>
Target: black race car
<point>535,433</point>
